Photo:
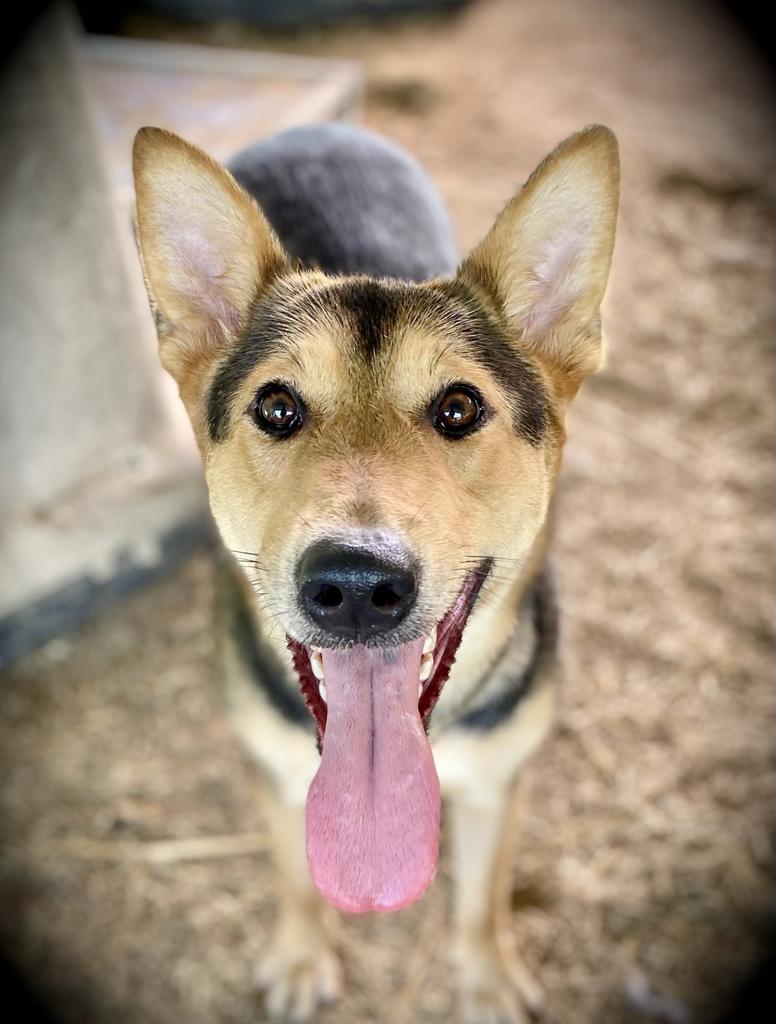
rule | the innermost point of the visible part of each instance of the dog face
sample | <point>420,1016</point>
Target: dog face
<point>370,446</point>
<point>396,435</point>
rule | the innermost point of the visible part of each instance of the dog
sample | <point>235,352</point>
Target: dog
<point>381,429</point>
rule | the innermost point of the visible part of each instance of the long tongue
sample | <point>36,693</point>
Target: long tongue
<point>373,807</point>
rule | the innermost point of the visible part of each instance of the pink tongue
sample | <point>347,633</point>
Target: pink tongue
<point>373,807</point>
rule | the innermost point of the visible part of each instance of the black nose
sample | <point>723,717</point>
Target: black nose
<point>353,594</point>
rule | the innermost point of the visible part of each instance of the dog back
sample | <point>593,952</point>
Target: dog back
<point>346,201</point>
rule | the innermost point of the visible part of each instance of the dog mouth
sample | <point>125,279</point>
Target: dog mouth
<point>373,807</point>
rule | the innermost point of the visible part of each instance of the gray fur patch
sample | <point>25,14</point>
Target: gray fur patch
<point>347,201</point>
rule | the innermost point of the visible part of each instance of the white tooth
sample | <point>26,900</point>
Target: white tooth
<point>322,691</point>
<point>431,640</point>
<point>426,664</point>
<point>316,664</point>
<point>420,690</point>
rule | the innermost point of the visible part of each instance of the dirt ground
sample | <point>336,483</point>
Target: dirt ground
<point>643,885</point>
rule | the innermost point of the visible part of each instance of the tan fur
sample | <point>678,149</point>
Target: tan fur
<point>370,458</point>
<point>566,213</point>
<point>201,294</point>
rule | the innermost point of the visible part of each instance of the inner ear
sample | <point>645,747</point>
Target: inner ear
<point>545,263</point>
<point>206,248</point>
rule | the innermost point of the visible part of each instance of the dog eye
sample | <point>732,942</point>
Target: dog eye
<point>277,410</point>
<point>457,411</point>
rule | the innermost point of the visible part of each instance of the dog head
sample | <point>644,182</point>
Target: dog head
<point>371,446</point>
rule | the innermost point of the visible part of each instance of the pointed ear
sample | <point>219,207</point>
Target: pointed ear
<point>546,260</point>
<point>205,247</point>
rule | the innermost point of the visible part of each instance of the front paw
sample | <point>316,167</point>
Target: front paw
<point>300,972</point>
<point>494,988</point>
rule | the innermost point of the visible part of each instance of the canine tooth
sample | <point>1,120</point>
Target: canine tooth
<point>316,664</point>
<point>420,690</point>
<point>426,664</point>
<point>431,640</point>
<point>322,691</point>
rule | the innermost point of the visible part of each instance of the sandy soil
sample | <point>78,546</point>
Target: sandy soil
<point>642,888</point>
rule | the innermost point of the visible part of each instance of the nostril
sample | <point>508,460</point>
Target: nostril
<point>384,597</point>
<point>328,596</point>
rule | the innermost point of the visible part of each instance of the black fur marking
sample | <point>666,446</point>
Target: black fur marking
<point>268,328</point>
<point>264,666</point>
<point>371,308</point>
<point>541,601</point>
<point>489,345</point>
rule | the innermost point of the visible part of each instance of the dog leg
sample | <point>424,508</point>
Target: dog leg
<point>301,970</point>
<point>494,986</point>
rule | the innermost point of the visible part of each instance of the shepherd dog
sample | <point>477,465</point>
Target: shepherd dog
<point>381,427</point>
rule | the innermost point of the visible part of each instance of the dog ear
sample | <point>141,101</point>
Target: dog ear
<point>205,247</point>
<point>546,260</point>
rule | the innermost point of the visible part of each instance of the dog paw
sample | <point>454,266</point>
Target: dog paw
<point>300,973</point>
<point>495,989</point>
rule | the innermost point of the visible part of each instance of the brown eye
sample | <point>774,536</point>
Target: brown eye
<point>277,410</point>
<point>457,411</point>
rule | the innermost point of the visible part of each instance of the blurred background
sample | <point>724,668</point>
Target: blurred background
<point>135,882</point>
